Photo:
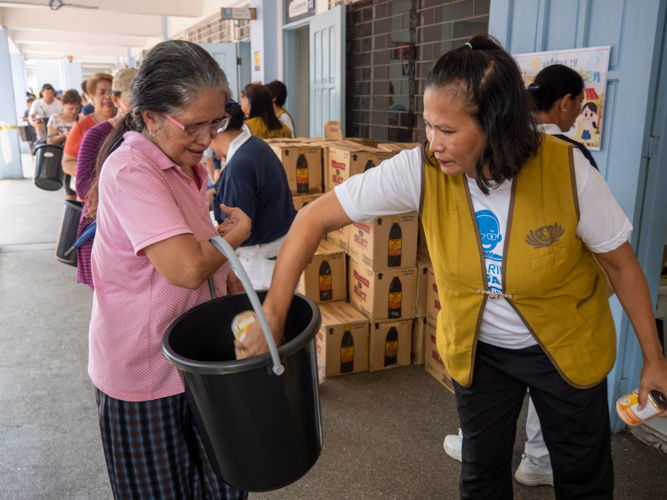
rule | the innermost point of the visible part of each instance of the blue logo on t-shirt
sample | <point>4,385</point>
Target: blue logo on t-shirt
<point>489,231</point>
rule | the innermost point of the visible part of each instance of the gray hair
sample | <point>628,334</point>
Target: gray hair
<point>173,74</point>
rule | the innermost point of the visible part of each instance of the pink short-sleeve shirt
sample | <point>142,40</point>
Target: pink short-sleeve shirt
<point>144,198</point>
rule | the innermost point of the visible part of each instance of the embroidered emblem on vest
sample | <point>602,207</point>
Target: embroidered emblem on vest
<point>545,236</point>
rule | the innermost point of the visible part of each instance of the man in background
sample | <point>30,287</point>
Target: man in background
<point>43,108</point>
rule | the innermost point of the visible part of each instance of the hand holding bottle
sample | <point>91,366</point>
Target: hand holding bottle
<point>254,342</point>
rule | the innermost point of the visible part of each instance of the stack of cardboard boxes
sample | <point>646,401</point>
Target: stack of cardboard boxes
<point>377,298</point>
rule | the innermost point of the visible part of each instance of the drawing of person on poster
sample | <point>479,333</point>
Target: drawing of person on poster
<point>591,63</point>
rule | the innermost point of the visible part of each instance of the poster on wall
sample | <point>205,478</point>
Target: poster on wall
<point>300,7</point>
<point>257,57</point>
<point>591,63</point>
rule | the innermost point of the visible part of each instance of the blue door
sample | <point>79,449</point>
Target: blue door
<point>634,30</point>
<point>225,55</point>
<point>327,69</point>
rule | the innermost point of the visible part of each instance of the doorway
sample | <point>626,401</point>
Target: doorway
<point>297,78</point>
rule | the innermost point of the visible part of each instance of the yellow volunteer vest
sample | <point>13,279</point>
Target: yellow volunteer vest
<point>259,129</point>
<point>551,280</point>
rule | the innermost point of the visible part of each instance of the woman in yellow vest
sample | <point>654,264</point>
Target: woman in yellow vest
<point>512,219</point>
<point>279,93</point>
<point>257,104</point>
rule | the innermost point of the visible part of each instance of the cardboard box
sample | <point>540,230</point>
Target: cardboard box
<point>325,282</point>
<point>340,238</point>
<point>422,248</point>
<point>302,201</point>
<point>397,147</point>
<point>423,266</point>
<point>433,362</point>
<point>433,299</point>
<point>342,353</point>
<point>332,130</point>
<point>369,143</point>
<point>386,242</point>
<point>382,295</point>
<point>390,345</point>
<point>418,341</point>
<point>347,160</point>
<point>289,154</point>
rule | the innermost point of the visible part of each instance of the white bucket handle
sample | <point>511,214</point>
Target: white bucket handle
<point>236,266</point>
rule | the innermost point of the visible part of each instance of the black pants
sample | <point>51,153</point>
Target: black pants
<point>575,424</point>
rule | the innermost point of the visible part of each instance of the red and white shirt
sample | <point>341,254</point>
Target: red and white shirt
<point>144,198</point>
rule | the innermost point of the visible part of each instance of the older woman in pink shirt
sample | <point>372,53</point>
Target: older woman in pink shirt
<point>151,261</point>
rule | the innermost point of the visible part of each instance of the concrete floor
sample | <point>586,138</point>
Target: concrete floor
<point>383,431</point>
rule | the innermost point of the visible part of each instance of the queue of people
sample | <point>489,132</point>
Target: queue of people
<point>542,324</point>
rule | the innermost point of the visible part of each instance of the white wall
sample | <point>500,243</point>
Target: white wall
<point>47,71</point>
<point>70,75</point>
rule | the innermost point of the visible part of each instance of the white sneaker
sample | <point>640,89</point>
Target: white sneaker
<point>452,446</point>
<point>530,474</point>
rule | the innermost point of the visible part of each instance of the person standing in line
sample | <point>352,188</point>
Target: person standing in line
<point>558,92</point>
<point>152,261</point>
<point>88,106</point>
<point>87,159</point>
<point>513,219</point>
<point>43,108</point>
<point>31,132</point>
<point>257,104</point>
<point>99,89</point>
<point>60,125</point>
<point>255,181</point>
<point>279,93</point>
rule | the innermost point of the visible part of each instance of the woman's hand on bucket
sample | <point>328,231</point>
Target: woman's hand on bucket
<point>255,341</point>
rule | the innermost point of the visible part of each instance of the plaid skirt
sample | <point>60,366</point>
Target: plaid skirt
<point>153,450</point>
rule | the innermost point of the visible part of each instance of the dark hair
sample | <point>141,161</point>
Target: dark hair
<point>48,86</point>
<point>72,97</point>
<point>278,91</point>
<point>83,86</point>
<point>236,114</point>
<point>593,107</point>
<point>261,104</point>
<point>172,75</point>
<point>553,83</point>
<point>489,81</point>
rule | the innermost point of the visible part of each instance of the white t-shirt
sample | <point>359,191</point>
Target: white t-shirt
<point>394,187</point>
<point>285,118</point>
<point>44,110</point>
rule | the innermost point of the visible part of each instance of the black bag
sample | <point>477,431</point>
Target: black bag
<point>27,133</point>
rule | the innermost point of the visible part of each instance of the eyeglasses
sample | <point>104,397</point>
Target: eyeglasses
<point>197,132</point>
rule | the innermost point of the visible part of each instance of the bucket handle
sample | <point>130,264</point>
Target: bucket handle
<point>235,263</point>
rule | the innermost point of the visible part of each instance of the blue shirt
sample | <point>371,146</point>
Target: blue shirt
<point>255,181</point>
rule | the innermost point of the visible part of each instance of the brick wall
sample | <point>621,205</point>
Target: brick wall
<point>391,46</point>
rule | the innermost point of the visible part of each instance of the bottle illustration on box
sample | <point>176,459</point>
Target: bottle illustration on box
<point>395,245</point>
<point>395,297</point>
<point>347,352</point>
<point>302,186</point>
<point>326,287</point>
<point>391,347</point>
<point>369,164</point>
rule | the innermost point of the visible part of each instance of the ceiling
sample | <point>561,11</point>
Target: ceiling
<point>93,31</point>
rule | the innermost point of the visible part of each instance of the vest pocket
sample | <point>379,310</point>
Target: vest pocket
<point>549,260</point>
<point>592,294</point>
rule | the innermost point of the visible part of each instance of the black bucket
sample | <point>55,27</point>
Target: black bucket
<point>49,173</point>
<point>261,431</point>
<point>68,229</point>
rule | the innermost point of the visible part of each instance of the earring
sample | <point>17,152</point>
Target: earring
<point>565,109</point>
<point>152,134</point>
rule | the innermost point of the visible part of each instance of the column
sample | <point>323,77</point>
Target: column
<point>264,41</point>
<point>10,152</point>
